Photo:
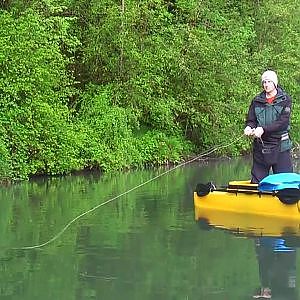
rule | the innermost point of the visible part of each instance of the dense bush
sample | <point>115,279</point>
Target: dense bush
<point>115,84</point>
<point>35,87</point>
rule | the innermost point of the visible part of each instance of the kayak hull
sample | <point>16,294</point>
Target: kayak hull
<point>247,203</point>
<point>241,207</point>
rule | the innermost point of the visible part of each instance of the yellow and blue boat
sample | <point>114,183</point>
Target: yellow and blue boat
<point>241,206</point>
<point>271,207</point>
<point>244,197</point>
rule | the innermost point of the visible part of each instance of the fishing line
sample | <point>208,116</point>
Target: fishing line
<point>205,153</point>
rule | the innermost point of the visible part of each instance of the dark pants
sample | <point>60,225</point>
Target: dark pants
<point>260,169</point>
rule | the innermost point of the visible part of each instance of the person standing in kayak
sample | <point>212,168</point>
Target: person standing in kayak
<point>268,121</point>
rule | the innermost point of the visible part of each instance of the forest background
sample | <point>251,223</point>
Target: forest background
<point>113,85</point>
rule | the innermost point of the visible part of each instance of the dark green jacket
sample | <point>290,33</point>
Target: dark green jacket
<point>274,118</point>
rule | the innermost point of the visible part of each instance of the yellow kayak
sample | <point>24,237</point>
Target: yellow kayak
<point>244,198</point>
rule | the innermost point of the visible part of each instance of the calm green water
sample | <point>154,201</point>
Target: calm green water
<point>144,245</point>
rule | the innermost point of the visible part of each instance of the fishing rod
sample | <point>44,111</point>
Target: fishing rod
<point>205,153</point>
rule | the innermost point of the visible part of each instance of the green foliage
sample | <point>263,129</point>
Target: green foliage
<point>114,141</point>
<point>157,148</point>
<point>109,130</point>
<point>34,92</point>
<point>278,42</point>
<point>114,84</point>
<point>5,162</point>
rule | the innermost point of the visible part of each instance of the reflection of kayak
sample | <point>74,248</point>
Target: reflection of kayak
<point>248,224</point>
<point>244,198</point>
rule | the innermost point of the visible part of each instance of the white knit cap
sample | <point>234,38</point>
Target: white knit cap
<point>270,75</point>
